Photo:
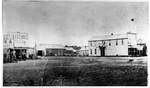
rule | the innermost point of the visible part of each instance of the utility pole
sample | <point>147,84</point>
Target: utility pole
<point>35,49</point>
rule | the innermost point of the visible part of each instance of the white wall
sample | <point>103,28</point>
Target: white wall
<point>95,45</point>
<point>109,50</point>
<point>117,49</point>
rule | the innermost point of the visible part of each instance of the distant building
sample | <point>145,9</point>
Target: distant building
<point>50,50</point>
<point>69,51</point>
<point>113,45</point>
<point>54,50</point>
<point>84,51</point>
<point>142,49</point>
<point>74,47</point>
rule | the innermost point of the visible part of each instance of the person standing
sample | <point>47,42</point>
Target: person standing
<point>24,55</point>
<point>14,56</point>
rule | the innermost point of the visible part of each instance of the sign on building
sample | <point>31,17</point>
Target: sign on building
<point>20,39</point>
<point>7,43</point>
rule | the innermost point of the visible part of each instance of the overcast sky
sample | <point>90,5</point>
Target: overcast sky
<point>74,23</point>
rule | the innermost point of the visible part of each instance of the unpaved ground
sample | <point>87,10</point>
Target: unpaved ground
<point>77,71</point>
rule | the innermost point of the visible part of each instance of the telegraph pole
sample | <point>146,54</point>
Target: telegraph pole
<point>35,49</point>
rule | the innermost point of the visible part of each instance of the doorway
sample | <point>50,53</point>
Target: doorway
<point>102,51</point>
<point>40,53</point>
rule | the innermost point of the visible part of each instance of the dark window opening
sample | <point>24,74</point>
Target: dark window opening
<point>116,42</point>
<point>95,51</point>
<point>109,43</point>
<point>40,53</point>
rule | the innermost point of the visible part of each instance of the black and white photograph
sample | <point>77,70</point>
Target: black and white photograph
<point>74,43</point>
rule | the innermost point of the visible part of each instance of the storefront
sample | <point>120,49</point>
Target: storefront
<point>17,42</point>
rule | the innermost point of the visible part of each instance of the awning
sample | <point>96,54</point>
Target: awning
<point>23,48</point>
<point>133,46</point>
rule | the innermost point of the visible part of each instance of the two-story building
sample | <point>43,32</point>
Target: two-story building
<point>113,45</point>
<point>16,41</point>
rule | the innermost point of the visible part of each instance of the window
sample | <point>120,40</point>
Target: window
<point>95,51</point>
<point>91,51</point>
<point>116,42</point>
<point>91,43</point>
<point>122,41</point>
<point>109,43</point>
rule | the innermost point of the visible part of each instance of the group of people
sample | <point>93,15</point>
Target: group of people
<point>11,56</point>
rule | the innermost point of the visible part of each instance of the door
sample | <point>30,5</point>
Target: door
<point>102,51</point>
<point>40,53</point>
<point>18,51</point>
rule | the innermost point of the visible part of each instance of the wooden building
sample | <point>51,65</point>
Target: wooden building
<point>113,45</point>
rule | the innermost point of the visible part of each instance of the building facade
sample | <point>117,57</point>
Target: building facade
<point>50,50</point>
<point>16,41</point>
<point>54,50</point>
<point>142,49</point>
<point>113,45</point>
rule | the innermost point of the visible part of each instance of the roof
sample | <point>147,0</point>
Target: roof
<point>23,47</point>
<point>133,46</point>
<point>17,32</point>
<point>108,37</point>
<point>141,44</point>
<point>56,46</point>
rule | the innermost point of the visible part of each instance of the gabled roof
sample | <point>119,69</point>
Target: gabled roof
<point>108,37</point>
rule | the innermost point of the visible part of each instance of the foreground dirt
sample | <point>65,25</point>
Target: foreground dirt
<point>77,71</point>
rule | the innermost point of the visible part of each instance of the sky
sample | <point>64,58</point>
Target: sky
<point>74,22</point>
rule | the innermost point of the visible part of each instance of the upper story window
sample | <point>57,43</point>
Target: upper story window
<point>116,42</point>
<point>95,51</point>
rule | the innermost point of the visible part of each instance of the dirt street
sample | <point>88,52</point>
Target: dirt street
<point>77,71</point>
